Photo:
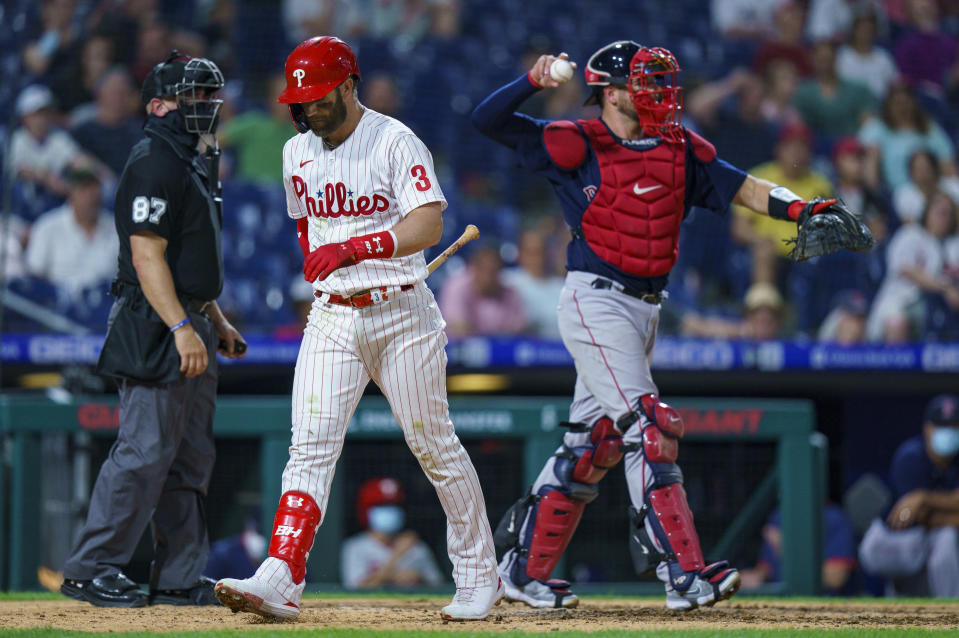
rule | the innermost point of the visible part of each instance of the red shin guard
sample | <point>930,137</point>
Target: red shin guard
<point>672,511</point>
<point>556,519</point>
<point>294,527</point>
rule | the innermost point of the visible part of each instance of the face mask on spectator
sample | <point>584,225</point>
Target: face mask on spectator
<point>387,519</point>
<point>945,441</point>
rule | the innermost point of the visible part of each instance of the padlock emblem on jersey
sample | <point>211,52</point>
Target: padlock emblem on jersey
<point>299,74</point>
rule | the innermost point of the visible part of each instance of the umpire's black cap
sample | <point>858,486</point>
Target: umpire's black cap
<point>943,410</point>
<point>163,78</point>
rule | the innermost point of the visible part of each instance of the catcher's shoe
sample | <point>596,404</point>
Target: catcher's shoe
<point>473,603</point>
<point>256,597</point>
<point>115,590</point>
<point>540,594</point>
<point>710,585</point>
<point>201,593</point>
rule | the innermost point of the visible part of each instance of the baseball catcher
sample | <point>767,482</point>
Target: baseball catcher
<point>626,181</point>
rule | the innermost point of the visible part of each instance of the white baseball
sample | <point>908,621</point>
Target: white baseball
<point>561,70</point>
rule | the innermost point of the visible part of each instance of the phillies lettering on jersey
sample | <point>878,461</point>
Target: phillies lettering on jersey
<point>339,200</point>
<point>367,184</point>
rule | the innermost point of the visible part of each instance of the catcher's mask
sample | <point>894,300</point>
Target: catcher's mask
<point>656,93</point>
<point>609,65</point>
<point>192,82</point>
<point>313,69</point>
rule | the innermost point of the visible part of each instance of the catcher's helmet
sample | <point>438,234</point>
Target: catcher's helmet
<point>313,69</point>
<point>609,65</point>
<point>656,93</point>
<point>377,491</point>
<point>191,82</point>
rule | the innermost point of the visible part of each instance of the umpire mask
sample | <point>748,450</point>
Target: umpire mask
<point>194,95</point>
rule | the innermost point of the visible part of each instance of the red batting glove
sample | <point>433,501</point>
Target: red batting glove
<point>328,257</point>
<point>796,207</point>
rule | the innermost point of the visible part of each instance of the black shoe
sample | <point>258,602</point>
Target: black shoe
<point>199,594</point>
<point>115,590</point>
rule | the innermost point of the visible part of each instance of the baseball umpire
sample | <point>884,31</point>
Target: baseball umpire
<point>162,338</point>
<point>625,182</point>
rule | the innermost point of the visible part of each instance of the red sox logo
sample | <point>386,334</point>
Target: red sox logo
<point>336,201</point>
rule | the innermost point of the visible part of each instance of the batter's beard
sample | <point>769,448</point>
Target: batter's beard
<point>324,127</point>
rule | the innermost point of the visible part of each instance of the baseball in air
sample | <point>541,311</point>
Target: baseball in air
<point>561,70</point>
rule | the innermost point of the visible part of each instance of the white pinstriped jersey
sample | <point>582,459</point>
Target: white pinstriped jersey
<point>367,184</point>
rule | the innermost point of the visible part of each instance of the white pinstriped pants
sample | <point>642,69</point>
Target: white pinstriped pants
<point>399,344</point>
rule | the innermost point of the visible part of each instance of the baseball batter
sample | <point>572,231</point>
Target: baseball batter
<point>625,182</point>
<point>367,202</point>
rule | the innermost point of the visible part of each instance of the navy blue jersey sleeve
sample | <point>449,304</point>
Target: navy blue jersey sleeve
<point>910,468</point>
<point>713,184</point>
<point>496,117</point>
<point>148,199</point>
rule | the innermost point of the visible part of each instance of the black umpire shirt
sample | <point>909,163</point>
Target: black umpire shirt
<point>164,189</point>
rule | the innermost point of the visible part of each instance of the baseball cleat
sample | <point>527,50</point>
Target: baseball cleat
<point>553,593</point>
<point>256,597</point>
<point>712,584</point>
<point>474,603</point>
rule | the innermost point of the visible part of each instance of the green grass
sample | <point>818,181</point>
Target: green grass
<point>369,633</point>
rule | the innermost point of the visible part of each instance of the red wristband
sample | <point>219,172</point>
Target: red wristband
<point>529,76</point>
<point>796,207</point>
<point>380,245</point>
<point>303,234</point>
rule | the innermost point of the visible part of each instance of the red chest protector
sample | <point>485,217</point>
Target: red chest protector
<point>633,221</point>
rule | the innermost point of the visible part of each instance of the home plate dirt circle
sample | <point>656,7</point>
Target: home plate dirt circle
<point>424,613</point>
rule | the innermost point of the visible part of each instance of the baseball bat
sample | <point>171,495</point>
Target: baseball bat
<point>471,233</point>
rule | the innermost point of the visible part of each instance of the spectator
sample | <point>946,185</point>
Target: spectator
<point>301,299</point>
<point>861,60</point>
<point>846,323</point>
<point>536,283</point>
<point>58,38</point>
<point>927,56</point>
<point>729,113</point>
<point>237,556</point>
<point>75,245</point>
<point>257,137</point>
<point>830,105</point>
<point>917,546</point>
<point>763,317</point>
<point>113,128</point>
<point>39,151</point>
<point>902,129</point>
<point>834,19</point>
<point>838,553</point>
<point>477,301</point>
<point>153,42</point>
<point>925,179</point>
<point>75,84</point>
<point>849,162</point>
<point>781,81</point>
<point>745,19</point>
<point>387,553</point>
<point>13,232</point>
<point>764,236</point>
<point>787,44</point>
<point>917,257</point>
<point>380,94</point>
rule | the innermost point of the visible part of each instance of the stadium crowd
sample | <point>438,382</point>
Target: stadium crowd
<point>856,99</point>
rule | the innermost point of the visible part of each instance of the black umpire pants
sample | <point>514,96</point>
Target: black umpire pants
<point>158,472</point>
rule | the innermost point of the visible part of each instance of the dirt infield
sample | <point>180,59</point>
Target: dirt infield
<point>423,613</point>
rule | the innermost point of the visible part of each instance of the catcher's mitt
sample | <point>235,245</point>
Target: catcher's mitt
<point>834,228</point>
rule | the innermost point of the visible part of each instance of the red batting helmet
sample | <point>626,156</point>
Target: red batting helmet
<point>377,491</point>
<point>316,67</point>
<point>656,93</point>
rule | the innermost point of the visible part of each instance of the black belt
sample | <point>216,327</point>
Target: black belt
<point>654,298</point>
<point>125,289</point>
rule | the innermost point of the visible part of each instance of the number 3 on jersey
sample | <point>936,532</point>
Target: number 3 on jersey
<point>422,181</point>
<point>141,209</point>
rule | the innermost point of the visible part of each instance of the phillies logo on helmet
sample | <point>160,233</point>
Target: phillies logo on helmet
<point>299,74</point>
<point>335,200</point>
